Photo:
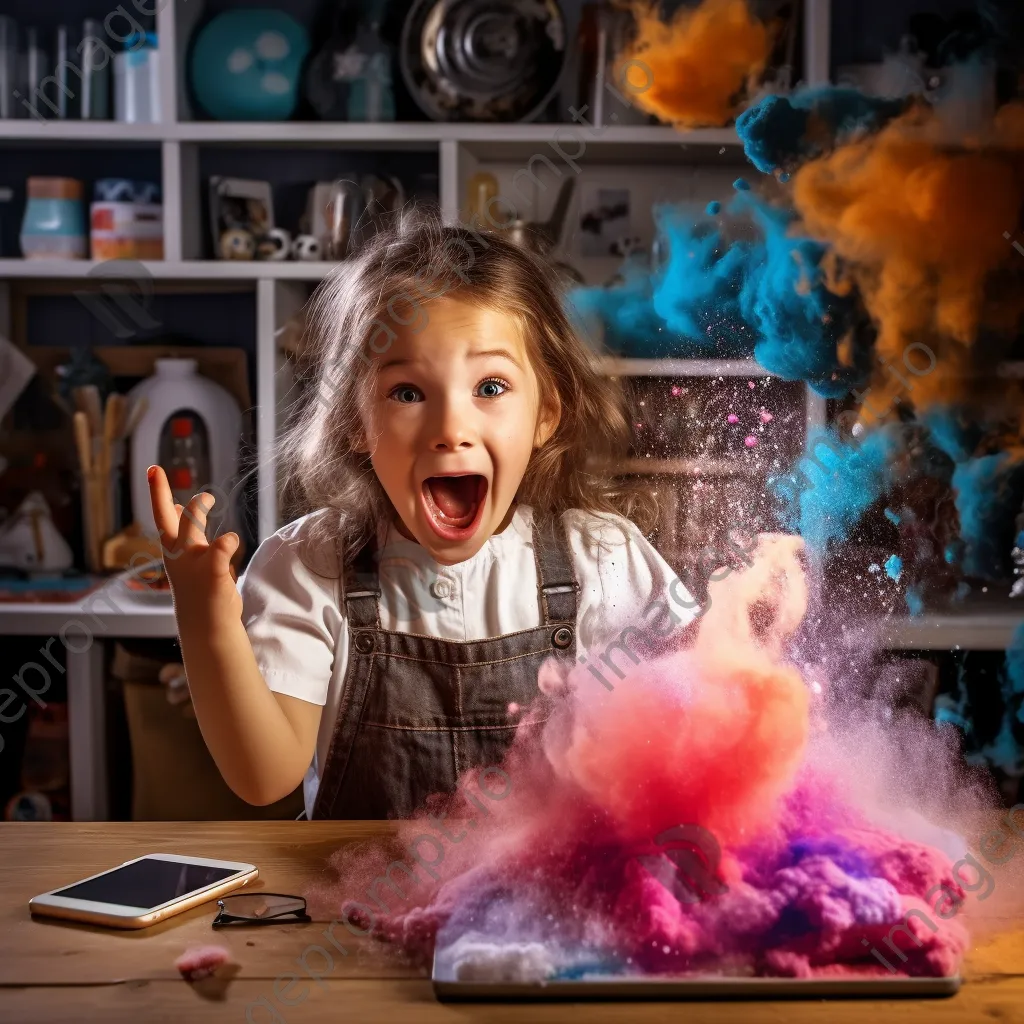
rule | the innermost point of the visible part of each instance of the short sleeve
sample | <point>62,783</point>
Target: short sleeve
<point>624,583</point>
<point>291,615</point>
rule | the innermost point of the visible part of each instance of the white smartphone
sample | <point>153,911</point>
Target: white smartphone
<point>143,891</point>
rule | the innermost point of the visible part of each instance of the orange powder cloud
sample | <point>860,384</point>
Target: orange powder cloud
<point>919,224</point>
<point>697,64</point>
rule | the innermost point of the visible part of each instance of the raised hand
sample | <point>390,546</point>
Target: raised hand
<point>199,571</point>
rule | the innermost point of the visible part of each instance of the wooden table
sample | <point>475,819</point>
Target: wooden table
<point>67,972</point>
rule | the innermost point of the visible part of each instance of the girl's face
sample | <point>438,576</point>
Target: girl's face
<point>451,424</point>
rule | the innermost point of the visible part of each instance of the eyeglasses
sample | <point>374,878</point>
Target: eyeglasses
<point>260,908</point>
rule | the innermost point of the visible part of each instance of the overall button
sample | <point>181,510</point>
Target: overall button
<point>441,588</point>
<point>364,643</point>
<point>562,636</point>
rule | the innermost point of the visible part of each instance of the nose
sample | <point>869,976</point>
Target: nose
<point>453,425</point>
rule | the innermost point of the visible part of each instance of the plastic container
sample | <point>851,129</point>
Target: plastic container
<point>481,193</point>
<point>67,94</point>
<point>127,231</point>
<point>34,67</point>
<point>177,391</point>
<point>371,96</point>
<point>137,82</point>
<point>54,223</point>
<point>95,69</point>
<point>10,78</point>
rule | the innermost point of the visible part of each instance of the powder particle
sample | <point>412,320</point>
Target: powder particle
<point>201,962</point>
<point>766,417</point>
<point>750,441</point>
<point>741,185</point>
<point>892,517</point>
<point>732,418</point>
<point>894,567</point>
<point>713,208</point>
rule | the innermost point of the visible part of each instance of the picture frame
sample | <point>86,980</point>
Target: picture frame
<point>239,204</point>
<point>605,218</point>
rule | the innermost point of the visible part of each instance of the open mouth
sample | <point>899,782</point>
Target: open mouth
<point>453,503</point>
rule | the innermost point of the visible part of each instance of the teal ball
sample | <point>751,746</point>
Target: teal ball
<point>246,65</point>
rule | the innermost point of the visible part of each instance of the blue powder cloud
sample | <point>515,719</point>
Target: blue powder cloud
<point>762,297</point>
<point>835,483</point>
<point>955,431</point>
<point>1003,750</point>
<point>989,492</point>
<point>781,131</point>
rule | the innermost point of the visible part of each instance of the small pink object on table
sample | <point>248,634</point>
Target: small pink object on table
<point>201,962</point>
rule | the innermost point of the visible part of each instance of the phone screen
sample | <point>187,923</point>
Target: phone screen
<point>146,883</point>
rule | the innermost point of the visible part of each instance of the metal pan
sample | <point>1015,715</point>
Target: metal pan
<point>663,987</point>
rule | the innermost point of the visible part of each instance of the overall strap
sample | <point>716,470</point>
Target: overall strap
<point>556,579</point>
<point>362,589</point>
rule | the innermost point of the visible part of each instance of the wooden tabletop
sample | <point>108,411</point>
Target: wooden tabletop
<point>60,972</point>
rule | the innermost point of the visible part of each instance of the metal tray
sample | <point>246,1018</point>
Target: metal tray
<point>694,987</point>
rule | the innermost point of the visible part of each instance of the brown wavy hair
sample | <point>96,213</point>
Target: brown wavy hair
<point>355,315</point>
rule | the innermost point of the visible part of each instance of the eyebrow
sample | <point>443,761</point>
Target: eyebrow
<point>502,352</point>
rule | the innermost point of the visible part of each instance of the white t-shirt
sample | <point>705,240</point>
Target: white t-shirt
<point>294,611</point>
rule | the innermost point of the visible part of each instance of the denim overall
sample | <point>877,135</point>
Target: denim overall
<point>418,711</point>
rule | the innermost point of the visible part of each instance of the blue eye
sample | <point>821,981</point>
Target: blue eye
<point>405,394</point>
<point>491,388</point>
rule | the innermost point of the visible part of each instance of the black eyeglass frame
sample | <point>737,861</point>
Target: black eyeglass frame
<point>226,919</point>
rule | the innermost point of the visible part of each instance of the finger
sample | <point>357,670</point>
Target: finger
<point>165,514</point>
<point>192,525</point>
<point>221,551</point>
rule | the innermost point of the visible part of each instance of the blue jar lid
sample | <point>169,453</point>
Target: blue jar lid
<point>140,39</point>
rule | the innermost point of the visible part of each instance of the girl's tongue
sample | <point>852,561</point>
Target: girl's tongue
<point>454,499</point>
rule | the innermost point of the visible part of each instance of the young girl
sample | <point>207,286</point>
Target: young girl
<point>462,527</point>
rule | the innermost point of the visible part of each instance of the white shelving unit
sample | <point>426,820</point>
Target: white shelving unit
<point>684,467</point>
<point>696,165</point>
<point>662,163</point>
<point>164,270</point>
<point>683,368</point>
<point>412,135</point>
